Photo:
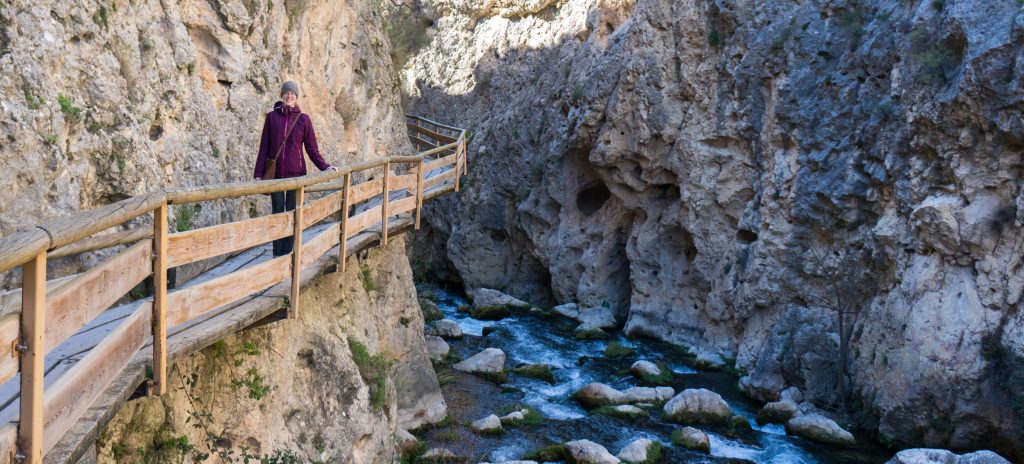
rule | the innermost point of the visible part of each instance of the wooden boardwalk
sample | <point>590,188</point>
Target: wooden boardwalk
<point>68,360</point>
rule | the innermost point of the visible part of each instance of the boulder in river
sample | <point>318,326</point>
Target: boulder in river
<point>777,412</point>
<point>405,441</point>
<point>821,429</point>
<point>536,371</point>
<point>569,310</point>
<point>645,368</point>
<point>588,452</point>
<point>447,328</point>
<point>692,438</point>
<point>489,425</point>
<point>491,297</point>
<point>648,394</point>
<point>941,456</point>
<point>587,331</point>
<point>598,316</point>
<point>596,394</point>
<point>439,455</point>
<point>698,406</point>
<point>640,451</point>
<point>491,360</point>
<point>489,312</point>
<point>431,312</point>
<point>437,348</point>
<point>622,411</point>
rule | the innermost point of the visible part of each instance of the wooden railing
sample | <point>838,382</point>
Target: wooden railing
<point>50,314</point>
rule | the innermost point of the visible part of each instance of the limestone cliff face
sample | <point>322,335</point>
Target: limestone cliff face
<point>105,100</point>
<point>726,174</point>
<point>299,387</point>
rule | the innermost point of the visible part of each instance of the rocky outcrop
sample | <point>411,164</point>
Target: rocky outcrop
<point>698,406</point>
<point>716,171</point>
<point>939,456</point>
<point>819,428</point>
<point>334,385</point>
<point>598,394</point>
<point>588,452</point>
<point>490,360</point>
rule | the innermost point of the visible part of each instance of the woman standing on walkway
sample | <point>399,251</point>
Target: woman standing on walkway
<point>285,131</point>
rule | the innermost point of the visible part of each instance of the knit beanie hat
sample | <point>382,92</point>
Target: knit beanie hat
<point>290,86</point>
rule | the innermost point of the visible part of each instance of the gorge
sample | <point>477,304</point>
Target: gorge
<point>765,196</point>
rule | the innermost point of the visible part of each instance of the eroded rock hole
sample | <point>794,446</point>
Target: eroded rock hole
<point>745,236</point>
<point>592,198</point>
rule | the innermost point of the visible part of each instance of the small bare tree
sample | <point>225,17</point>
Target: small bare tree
<point>838,275</point>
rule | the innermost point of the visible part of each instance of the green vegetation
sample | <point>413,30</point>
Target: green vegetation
<point>551,453</point>
<point>102,18</point>
<point>446,436</point>
<point>935,59</point>
<point>369,284</point>
<point>412,456</point>
<point>430,310</point>
<point>490,313</point>
<point>71,112</point>
<point>254,383</point>
<point>375,370</point>
<point>617,350</point>
<point>31,99</point>
<point>49,139</point>
<point>191,68</point>
<point>537,371</point>
<point>184,215</point>
<point>616,413</point>
<point>494,377</point>
<point>714,39</point>
<point>664,377</point>
<point>532,418</point>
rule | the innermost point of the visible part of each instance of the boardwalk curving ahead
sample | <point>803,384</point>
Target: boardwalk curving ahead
<point>33,419</point>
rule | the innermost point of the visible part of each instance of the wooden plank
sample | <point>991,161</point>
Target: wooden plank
<point>347,193</point>
<point>33,333</point>
<point>438,179</point>
<point>199,244</point>
<point>293,306</point>
<point>159,316</point>
<point>361,221</point>
<point>402,206</point>
<point>314,248</point>
<point>10,327</point>
<point>432,134</point>
<point>384,210</point>
<point>19,248</point>
<point>113,239</point>
<point>8,442</point>
<point>366,190</point>
<point>440,163</point>
<point>68,398</point>
<point>77,226</point>
<point>421,142</point>
<point>198,299</point>
<point>419,192</point>
<point>320,208</point>
<point>404,181</point>
<point>75,304</point>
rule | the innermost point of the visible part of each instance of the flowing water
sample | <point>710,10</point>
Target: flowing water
<point>527,338</point>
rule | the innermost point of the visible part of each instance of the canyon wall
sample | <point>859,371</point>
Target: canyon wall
<point>732,175</point>
<point>105,100</point>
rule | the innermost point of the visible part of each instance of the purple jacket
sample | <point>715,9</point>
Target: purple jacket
<point>290,163</point>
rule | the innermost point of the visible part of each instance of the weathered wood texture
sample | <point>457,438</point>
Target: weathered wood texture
<point>366,190</point>
<point>293,301</point>
<point>403,205</point>
<point>100,242</point>
<point>68,398</point>
<point>402,182</point>
<point>434,135</point>
<point>159,317</point>
<point>440,163</point>
<point>438,179</point>
<point>199,244</point>
<point>33,311</point>
<point>314,248</point>
<point>91,293</point>
<point>190,302</point>
<point>320,208</point>
<point>361,221</point>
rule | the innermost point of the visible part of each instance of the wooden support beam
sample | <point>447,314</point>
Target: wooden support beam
<point>33,346</point>
<point>384,210</point>
<point>419,192</point>
<point>458,165</point>
<point>293,307</point>
<point>159,318</point>
<point>347,193</point>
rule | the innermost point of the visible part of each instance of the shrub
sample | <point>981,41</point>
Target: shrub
<point>71,112</point>
<point>183,215</point>
<point>369,284</point>
<point>374,369</point>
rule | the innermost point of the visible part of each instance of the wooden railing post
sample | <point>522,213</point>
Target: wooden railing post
<point>293,307</point>
<point>465,158</point>
<point>346,194</point>
<point>33,351</point>
<point>159,321</point>
<point>458,166</point>
<point>419,191</point>
<point>384,208</point>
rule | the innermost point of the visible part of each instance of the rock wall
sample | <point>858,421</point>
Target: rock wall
<point>298,387</point>
<point>104,100</point>
<point>730,175</point>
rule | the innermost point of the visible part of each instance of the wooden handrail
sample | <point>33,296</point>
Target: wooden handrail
<point>48,319</point>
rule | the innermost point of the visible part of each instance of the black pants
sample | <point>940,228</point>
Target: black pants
<point>279,203</point>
